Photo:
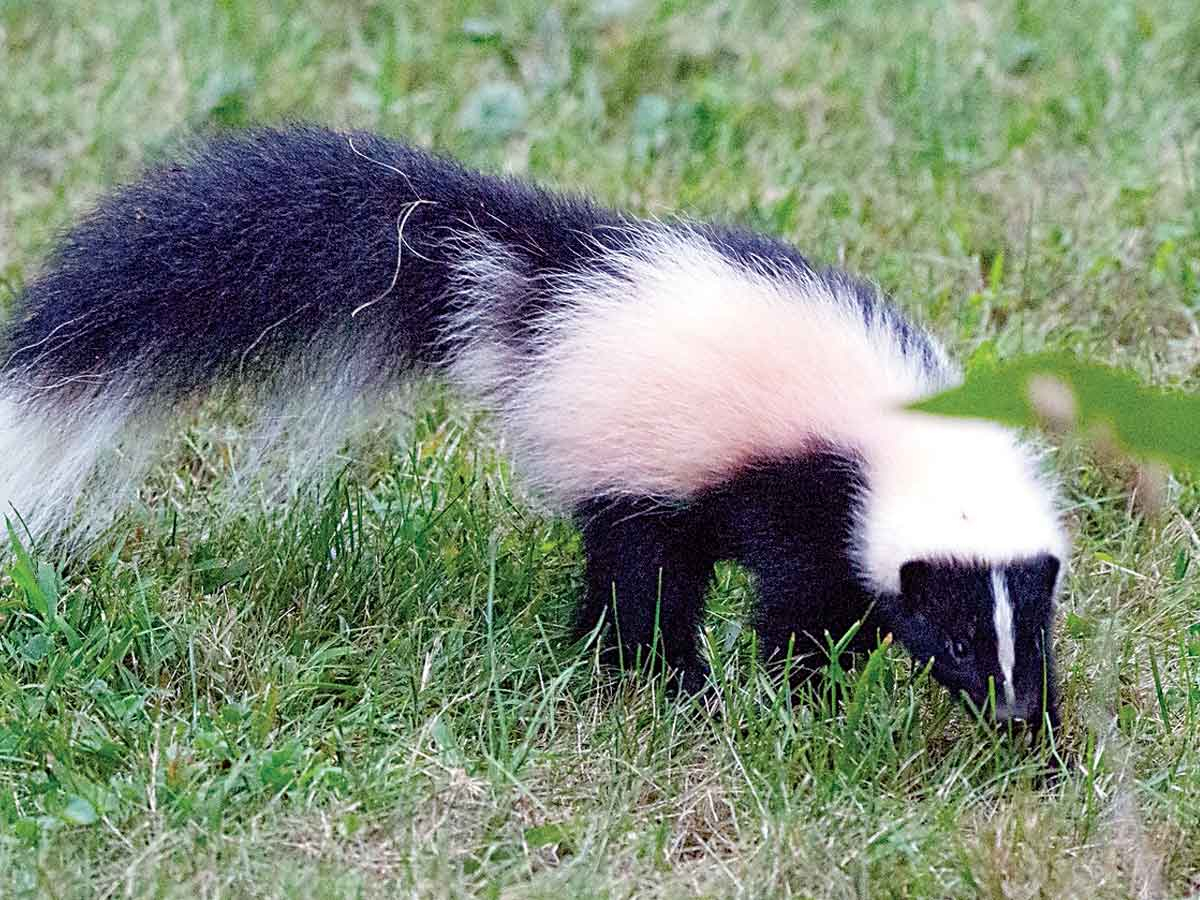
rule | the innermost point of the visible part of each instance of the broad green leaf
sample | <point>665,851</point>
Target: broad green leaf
<point>1146,421</point>
<point>494,111</point>
<point>36,648</point>
<point>79,812</point>
<point>552,833</point>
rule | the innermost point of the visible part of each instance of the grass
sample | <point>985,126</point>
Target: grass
<point>362,689</point>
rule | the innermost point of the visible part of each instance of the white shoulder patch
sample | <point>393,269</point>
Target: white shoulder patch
<point>941,488</point>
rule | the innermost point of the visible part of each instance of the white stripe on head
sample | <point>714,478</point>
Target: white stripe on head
<point>1005,641</point>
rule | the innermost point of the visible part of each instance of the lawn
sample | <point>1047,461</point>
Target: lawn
<point>358,684</point>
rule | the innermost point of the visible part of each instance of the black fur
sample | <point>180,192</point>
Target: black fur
<point>266,241</point>
<point>1031,586</point>
<point>944,617</point>
<point>261,243</point>
<point>788,521</point>
<point>648,567</point>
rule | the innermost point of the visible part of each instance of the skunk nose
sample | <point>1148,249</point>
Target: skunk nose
<point>1027,712</point>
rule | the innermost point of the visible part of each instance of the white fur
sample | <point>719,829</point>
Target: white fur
<point>673,367</point>
<point>49,456</point>
<point>1002,618</point>
<point>943,488</point>
<point>68,469</point>
<point>667,373</point>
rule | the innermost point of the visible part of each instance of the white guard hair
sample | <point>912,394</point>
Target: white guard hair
<point>67,470</point>
<point>49,455</point>
<point>672,367</point>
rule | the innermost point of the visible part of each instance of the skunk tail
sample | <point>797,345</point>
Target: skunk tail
<point>312,268</point>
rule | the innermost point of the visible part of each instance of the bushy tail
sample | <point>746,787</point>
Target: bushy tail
<point>311,268</point>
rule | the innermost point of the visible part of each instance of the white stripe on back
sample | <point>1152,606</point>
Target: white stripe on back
<point>666,366</point>
<point>1003,617</point>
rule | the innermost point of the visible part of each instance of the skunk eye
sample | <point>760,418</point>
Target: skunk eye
<point>959,650</point>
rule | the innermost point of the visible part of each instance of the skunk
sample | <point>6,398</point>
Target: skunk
<point>688,393</point>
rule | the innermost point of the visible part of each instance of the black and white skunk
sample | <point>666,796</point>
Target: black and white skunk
<point>688,393</point>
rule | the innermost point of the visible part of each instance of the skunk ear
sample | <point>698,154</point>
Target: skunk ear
<point>915,576</point>
<point>1036,577</point>
<point>1047,566</point>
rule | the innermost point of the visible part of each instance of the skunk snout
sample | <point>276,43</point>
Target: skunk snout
<point>1032,713</point>
<point>1024,711</point>
<point>1029,712</point>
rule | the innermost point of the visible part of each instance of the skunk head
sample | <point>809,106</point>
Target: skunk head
<point>984,630</point>
<point>961,542</point>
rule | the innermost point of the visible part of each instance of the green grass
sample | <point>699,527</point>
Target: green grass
<point>362,688</point>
